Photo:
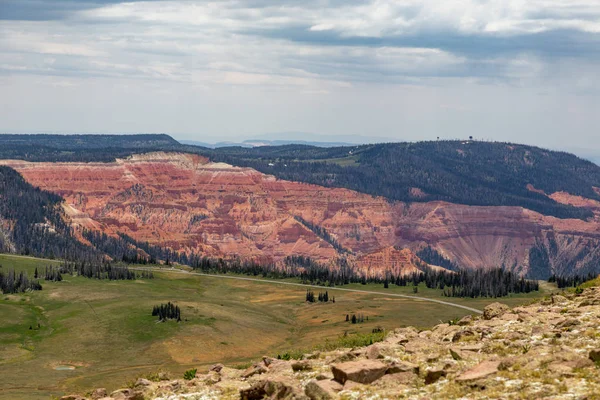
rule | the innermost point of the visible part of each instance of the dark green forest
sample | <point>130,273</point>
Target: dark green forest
<point>32,222</point>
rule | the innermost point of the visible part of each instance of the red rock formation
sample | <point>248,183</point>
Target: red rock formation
<point>188,203</point>
<point>398,262</point>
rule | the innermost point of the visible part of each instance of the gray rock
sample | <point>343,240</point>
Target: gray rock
<point>494,310</point>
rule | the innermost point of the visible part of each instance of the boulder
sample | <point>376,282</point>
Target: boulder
<point>99,393</point>
<point>322,390</point>
<point>127,394</point>
<point>433,375</point>
<point>494,310</point>
<point>479,371</point>
<point>402,366</point>
<point>254,370</point>
<point>373,352</point>
<point>558,299</point>
<point>418,346</point>
<point>273,388</point>
<point>302,365</point>
<point>401,378</point>
<point>163,376</point>
<point>364,371</point>
<point>216,367</point>
<point>141,382</point>
<point>463,335</point>
<point>568,323</point>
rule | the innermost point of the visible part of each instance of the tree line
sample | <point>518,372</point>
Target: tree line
<point>322,297</point>
<point>13,282</point>
<point>563,282</point>
<point>167,311</point>
<point>105,270</point>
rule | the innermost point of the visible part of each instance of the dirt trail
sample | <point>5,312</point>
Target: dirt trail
<point>178,271</point>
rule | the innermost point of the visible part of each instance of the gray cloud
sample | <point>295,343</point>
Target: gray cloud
<point>447,58</point>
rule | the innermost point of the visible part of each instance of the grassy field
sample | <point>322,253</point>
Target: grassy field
<point>105,331</point>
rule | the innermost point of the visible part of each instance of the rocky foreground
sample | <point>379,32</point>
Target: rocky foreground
<point>549,350</point>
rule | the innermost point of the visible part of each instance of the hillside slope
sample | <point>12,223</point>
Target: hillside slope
<point>461,172</point>
<point>545,350</point>
<point>33,222</point>
<point>467,172</point>
<point>186,202</point>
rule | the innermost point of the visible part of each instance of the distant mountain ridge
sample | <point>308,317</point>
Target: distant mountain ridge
<point>258,143</point>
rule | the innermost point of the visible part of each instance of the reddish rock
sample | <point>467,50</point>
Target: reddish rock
<point>434,375</point>
<point>481,370</point>
<point>364,371</point>
<point>185,202</point>
<point>322,390</point>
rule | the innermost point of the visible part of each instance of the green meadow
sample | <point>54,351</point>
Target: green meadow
<point>79,334</point>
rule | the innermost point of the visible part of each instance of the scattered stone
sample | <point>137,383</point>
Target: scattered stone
<point>99,393</point>
<point>303,365</point>
<point>72,397</point>
<point>568,323</point>
<point>142,382</point>
<point>542,351</point>
<point>595,355</point>
<point>494,310</point>
<point>402,366</point>
<point>254,370</point>
<point>434,375</point>
<point>457,354</point>
<point>558,299</point>
<point>373,352</point>
<point>216,367</point>
<point>273,388</point>
<point>402,378</point>
<point>417,346</point>
<point>127,394</point>
<point>481,370</point>
<point>462,335</point>
<point>365,371</point>
<point>322,390</point>
<point>324,376</point>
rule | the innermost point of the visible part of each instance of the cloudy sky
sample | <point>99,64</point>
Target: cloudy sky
<point>516,70</point>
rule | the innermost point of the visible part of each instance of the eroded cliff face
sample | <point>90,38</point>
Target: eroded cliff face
<point>188,203</point>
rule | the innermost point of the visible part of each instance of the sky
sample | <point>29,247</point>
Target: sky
<point>507,70</point>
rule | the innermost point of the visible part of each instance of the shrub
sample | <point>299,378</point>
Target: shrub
<point>189,374</point>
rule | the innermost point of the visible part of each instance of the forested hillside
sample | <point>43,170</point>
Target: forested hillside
<point>473,173</point>
<point>102,148</point>
<point>469,172</point>
<point>32,223</point>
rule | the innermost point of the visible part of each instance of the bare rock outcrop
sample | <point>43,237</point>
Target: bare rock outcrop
<point>185,202</point>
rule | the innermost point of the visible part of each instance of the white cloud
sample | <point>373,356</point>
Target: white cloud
<point>244,54</point>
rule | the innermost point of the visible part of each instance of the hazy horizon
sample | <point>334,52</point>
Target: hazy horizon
<point>233,70</point>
